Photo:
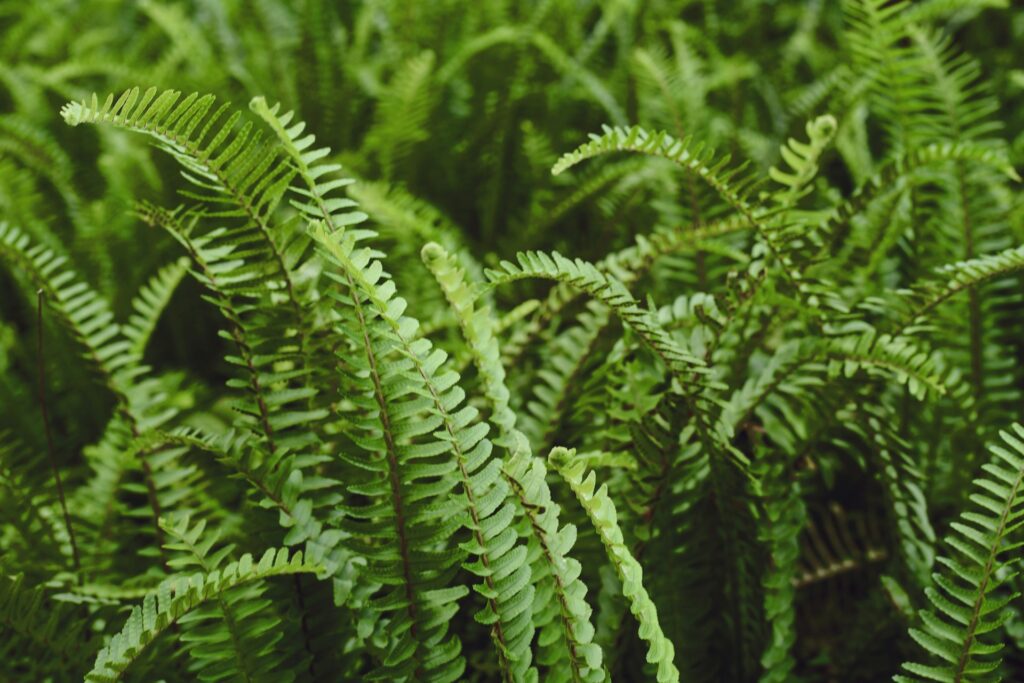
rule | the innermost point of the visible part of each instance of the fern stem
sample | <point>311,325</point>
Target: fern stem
<point>973,302</point>
<point>391,454</point>
<point>155,509</point>
<point>50,450</point>
<point>304,626</point>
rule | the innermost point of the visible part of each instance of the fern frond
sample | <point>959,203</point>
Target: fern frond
<point>505,580</point>
<point>283,482</point>
<point>803,158</point>
<point>232,170</point>
<point>607,289</point>
<point>920,299</point>
<point>88,318</point>
<point>888,182</point>
<point>337,212</point>
<point>787,516</point>
<point>35,625</point>
<point>379,315</point>
<point>687,369</point>
<point>402,113</point>
<point>277,380</point>
<point>237,633</point>
<point>27,504</point>
<point>561,373</point>
<point>627,264</point>
<point>593,185</point>
<point>733,185</point>
<point>971,595</point>
<point>975,152</point>
<point>80,309</point>
<point>601,510</point>
<point>900,357</point>
<point>36,149</point>
<point>150,303</point>
<point>889,68</point>
<point>905,487</point>
<point>177,597</point>
<point>786,360</point>
<point>281,411</point>
<point>566,620</point>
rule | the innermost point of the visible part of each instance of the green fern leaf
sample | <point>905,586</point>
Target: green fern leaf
<point>150,303</point>
<point>179,596</point>
<point>601,510</point>
<point>970,596</point>
<point>564,623</point>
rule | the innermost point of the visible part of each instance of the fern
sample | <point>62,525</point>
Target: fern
<point>925,296</point>
<point>601,511</point>
<point>567,619</point>
<point>765,384</point>
<point>150,303</point>
<point>233,635</point>
<point>686,367</point>
<point>178,597</point>
<point>733,185</point>
<point>80,309</point>
<point>504,579</point>
<point>244,179</point>
<point>968,600</point>
<point>881,353</point>
<point>38,625</point>
<point>502,585</point>
<point>608,290</point>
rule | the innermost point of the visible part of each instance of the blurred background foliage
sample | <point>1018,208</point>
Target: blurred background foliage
<point>460,105</point>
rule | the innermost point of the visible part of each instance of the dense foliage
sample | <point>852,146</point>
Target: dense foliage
<point>332,347</point>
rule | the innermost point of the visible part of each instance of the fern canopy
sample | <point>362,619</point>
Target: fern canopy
<point>572,341</point>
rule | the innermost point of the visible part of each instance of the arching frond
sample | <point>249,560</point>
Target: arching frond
<point>235,171</point>
<point>150,303</point>
<point>734,186</point>
<point>178,597</point>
